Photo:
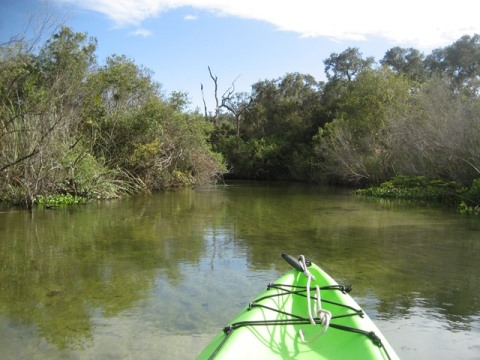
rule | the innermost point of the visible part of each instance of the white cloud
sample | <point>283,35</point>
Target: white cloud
<point>190,17</point>
<point>123,12</point>
<point>142,32</point>
<point>418,23</point>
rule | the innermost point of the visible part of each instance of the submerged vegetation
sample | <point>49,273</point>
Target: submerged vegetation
<point>72,128</point>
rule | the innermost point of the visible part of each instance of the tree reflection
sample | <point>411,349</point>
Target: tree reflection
<point>63,270</point>
<point>61,267</point>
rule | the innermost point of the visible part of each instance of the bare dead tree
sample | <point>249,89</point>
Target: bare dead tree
<point>204,103</point>
<point>237,104</point>
<point>217,101</point>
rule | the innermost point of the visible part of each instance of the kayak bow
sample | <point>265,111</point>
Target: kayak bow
<point>305,314</point>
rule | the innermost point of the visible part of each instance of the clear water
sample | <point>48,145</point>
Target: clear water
<point>156,277</point>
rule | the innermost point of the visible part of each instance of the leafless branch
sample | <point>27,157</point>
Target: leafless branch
<point>19,160</point>
<point>204,102</point>
<point>217,106</point>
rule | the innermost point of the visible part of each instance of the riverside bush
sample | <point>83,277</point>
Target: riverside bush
<point>417,188</point>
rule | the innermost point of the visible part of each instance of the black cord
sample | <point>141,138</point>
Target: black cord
<point>287,289</point>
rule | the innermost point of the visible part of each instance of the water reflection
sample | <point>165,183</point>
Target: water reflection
<point>116,279</point>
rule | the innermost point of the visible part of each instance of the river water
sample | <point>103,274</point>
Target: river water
<point>156,277</point>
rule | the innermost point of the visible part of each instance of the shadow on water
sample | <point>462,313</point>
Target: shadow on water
<point>144,275</point>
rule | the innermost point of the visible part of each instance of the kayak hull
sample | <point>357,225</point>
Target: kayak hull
<point>269,328</point>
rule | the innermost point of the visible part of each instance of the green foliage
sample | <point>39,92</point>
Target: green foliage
<point>346,65</point>
<point>288,108</point>
<point>352,147</point>
<point>59,200</point>
<point>302,163</point>
<point>417,188</point>
<point>408,62</point>
<point>179,156</point>
<point>459,62</point>
<point>468,210</point>
<point>471,196</point>
<point>368,100</point>
<point>71,129</point>
<point>261,159</point>
<point>366,124</point>
<point>422,189</point>
<point>143,133</point>
<point>85,175</point>
<point>276,130</point>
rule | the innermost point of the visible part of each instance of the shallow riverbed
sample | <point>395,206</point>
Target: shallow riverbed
<point>157,277</point>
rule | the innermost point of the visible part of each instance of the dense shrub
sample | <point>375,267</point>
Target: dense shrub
<point>70,128</point>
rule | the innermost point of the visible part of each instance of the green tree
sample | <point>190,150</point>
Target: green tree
<point>175,152</point>
<point>459,62</point>
<point>277,129</point>
<point>70,127</point>
<point>409,62</point>
<point>65,61</point>
<point>346,65</point>
<point>351,148</point>
<point>288,107</point>
<point>134,127</point>
<point>39,119</point>
<point>118,91</point>
<point>340,70</point>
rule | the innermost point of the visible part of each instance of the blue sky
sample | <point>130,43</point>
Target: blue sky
<point>247,40</point>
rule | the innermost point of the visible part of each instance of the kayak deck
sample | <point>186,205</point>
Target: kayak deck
<point>272,325</point>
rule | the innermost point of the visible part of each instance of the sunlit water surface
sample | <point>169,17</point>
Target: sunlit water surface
<point>156,277</point>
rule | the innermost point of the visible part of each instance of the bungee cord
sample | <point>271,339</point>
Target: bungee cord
<point>316,316</point>
<point>324,315</point>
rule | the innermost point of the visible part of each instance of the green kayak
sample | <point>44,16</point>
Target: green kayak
<point>305,314</point>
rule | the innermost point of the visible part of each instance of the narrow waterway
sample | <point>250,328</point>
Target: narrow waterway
<point>156,277</point>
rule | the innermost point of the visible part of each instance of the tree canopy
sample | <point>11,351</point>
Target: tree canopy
<point>69,125</point>
<point>365,121</point>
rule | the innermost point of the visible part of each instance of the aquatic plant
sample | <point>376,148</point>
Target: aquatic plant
<point>59,200</point>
